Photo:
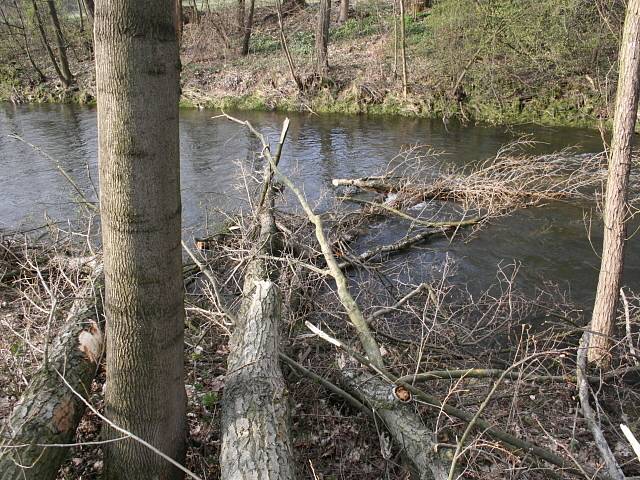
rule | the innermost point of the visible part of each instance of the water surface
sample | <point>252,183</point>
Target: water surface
<point>550,243</point>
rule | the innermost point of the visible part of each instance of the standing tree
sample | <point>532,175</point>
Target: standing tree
<point>615,208</point>
<point>137,82</point>
<point>248,26</point>
<point>61,44</point>
<point>322,38</point>
<point>66,81</point>
<point>344,11</point>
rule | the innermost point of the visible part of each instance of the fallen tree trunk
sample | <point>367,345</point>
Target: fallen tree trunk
<point>32,445</point>
<point>417,442</point>
<point>255,415</point>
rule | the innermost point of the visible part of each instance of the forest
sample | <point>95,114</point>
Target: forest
<point>387,239</point>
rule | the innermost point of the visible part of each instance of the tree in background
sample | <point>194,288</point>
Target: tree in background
<point>60,65</point>
<point>344,11</point>
<point>137,83</point>
<point>247,26</point>
<point>615,208</point>
<point>322,38</point>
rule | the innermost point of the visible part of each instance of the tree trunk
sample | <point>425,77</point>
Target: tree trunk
<point>48,411</point>
<point>67,77</point>
<point>240,16</point>
<point>403,54</point>
<point>45,40</point>
<point>137,83</point>
<point>322,38</point>
<point>615,210</point>
<point>255,417</point>
<point>178,20</point>
<point>248,26</point>
<point>89,7</point>
<point>416,442</point>
<point>344,11</point>
<point>81,16</point>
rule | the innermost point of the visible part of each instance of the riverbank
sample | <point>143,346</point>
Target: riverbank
<point>453,72</point>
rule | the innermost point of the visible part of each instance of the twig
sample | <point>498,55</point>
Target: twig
<point>424,223</point>
<point>327,384</point>
<point>66,175</point>
<point>632,439</point>
<point>625,303</point>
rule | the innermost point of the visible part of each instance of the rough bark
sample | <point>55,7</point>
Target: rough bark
<point>615,210</point>
<point>255,417</point>
<point>137,80</point>
<point>248,26</point>
<point>344,11</point>
<point>67,77</point>
<point>322,38</point>
<point>48,412</point>
<point>417,442</point>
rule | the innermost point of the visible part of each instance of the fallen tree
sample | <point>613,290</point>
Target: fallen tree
<point>255,419</point>
<point>44,421</point>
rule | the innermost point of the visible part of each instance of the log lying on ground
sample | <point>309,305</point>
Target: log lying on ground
<point>255,417</point>
<point>48,413</point>
<point>417,442</point>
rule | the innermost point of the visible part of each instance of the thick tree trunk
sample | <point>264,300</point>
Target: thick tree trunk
<point>248,26</point>
<point>67,77</point>
<point>49,412</point>
<point>322,38</point>
<point>615,210</point>
<point>417,443</point>
<point>137,80</point>
<point>344,11</point>
<point>255,416</point>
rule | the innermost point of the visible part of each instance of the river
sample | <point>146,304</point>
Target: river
<point>550,244</point>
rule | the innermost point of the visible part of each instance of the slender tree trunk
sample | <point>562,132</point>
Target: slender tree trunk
<point>137,83</point>
<point>45,40</point>
<point>248,26</point>
<point>615,210</point>
<point>285,47</point>
<point>344,11</point>
<point>395,41</point>
<point>25,39</point>
<point>322,38</point>
<point>89,7</point>
<point>403,54</point>
<point>196,13</point>
<point>240,16</point>
<point>81,16</point>
<point>178,20</point>
<point>67,77</point>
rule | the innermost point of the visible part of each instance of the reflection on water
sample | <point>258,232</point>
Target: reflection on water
<point>550,242</point>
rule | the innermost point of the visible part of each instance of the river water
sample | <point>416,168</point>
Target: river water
<point>550,244</point>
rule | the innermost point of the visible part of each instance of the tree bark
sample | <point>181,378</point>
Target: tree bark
<point>322,38</point>
<point>255,416</point>
<point>67,77</point>
<point>344,11</point>
<point>137,83</point>
<point>417,443</point>
<point>615,210</point>
<point>48,412</point>
<point>248,26</point>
